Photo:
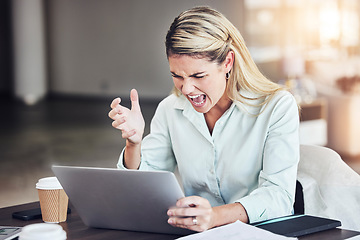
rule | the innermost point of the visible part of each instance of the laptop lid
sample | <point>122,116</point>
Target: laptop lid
<point>122,199</point>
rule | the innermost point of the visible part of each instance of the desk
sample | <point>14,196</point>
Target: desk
<point>76,229</point>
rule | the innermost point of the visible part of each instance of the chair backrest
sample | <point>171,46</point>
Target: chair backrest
<point>319,162</point>
<point>330,187</point>
<point>299,199</point>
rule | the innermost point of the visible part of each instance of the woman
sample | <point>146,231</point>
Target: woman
<point>232,133</point>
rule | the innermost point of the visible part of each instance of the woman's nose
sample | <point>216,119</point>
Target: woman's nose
<point>187,86</point>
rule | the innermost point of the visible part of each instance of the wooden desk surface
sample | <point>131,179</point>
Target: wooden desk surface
<point>76,229</point>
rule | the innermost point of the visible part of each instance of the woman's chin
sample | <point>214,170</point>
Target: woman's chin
<point>203,108</point>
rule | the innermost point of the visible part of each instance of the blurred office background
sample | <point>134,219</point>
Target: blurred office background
<point>63,61</point>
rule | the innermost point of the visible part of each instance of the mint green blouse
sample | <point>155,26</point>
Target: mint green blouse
<point>248,158</point>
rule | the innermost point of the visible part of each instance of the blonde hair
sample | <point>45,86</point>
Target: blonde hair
<point>205,33</point>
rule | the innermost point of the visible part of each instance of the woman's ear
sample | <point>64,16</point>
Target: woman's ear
<point>229,61</point>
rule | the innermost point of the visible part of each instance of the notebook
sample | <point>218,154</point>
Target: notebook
<point>297,225</point>
<point>122,199</point>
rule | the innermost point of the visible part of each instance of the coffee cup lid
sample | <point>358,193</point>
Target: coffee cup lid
<point>48,183</point>
<point>42,231</point>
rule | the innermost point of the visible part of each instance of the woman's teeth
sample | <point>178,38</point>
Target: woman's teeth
<point>198,99</point>
<point>195,96</point>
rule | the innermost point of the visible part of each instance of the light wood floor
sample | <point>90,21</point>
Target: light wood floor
<point>63,131</point>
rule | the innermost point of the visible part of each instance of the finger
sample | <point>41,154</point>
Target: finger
<point>187,223</point>
<point>115,102</point>
<point>119,110</point>
<point>119,122</point>
<point>134,100</point>
<point>188,211</point>
<point>181,222</point>
<point>115,124</point>
<point>125,133</point>
<point>113,113</point>
<point>191,201</point>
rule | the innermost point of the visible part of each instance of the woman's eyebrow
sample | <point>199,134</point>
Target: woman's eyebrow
<point>192,75</point>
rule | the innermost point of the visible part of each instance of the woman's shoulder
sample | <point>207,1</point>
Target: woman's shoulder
<point>255,104</point>
<point>283,97</point>
<point>282,103</point>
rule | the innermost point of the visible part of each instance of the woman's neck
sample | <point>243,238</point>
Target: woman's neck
<point>216,112</point>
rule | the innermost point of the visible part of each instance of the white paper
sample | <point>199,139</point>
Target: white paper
<point>235,231</point>
<point>355,238</point>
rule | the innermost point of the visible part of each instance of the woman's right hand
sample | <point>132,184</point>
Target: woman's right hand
<point>129,121</point>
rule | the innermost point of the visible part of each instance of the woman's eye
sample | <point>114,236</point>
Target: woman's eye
<point>174,76</point>
<point>199,77</point>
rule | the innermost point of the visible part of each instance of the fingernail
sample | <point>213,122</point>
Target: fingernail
<point>171,221</point>
<point>169,213</point>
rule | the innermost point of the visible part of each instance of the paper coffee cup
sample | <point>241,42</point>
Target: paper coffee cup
<point>42,231</point>
<point>53,200</point>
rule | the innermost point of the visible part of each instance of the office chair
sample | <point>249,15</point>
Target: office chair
<point>330,188</point>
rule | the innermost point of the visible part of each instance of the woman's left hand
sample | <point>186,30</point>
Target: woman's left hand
<point>194,213</point>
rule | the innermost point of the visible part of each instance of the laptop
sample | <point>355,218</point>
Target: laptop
<point>122,199</point>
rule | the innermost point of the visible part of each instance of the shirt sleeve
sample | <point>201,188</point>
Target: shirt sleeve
<point>156,148</point>
<point>277,180</point>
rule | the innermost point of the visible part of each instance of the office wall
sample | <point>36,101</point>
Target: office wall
<point>107,47</point>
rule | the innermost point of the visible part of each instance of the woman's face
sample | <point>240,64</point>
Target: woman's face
<point>202,82</point>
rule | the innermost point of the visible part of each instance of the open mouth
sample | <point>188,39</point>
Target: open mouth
<point>198,100</point>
